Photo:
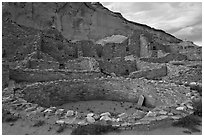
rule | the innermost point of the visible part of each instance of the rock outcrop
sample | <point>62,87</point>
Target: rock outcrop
<point>77,21</point>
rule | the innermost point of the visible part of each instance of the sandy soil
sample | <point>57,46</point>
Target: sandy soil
<point>102,106</point>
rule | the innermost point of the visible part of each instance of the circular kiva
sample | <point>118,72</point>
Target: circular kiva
<point>59,92</point>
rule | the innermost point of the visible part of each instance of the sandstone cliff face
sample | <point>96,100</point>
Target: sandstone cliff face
<point>78,21</point>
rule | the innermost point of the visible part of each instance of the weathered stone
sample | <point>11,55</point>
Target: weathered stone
<point>170,114</point>
<point>90,114</point>
<point>47,110</point>
<point>30,109</point>
<point>125,124</point>
<point>189,106</point>
<point>105,118</point>
<point>59,112</point>
<point>149,101</point>
<point>192,84</point>
<point>82,122</point>
<point>176,117</point>
<point>122,115</point>
<point>53,109</point>
<point>176,112</point>
<point>69,113</point>
<point>113,74</point>
<point>151,114</point>
<point>162,112</point>
<point>60,122</point>
<point>105,114</point>
<point>40,109</point>
<point>69,120</point>
<point>90,119</point>
<point>96,116</point>
<point>114,120</point>
<point>138,114</point>
<point>161,117</point>
<point>141,100</point>
<point>181,108</point>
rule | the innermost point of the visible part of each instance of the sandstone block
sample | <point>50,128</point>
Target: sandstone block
<point>141,100</point>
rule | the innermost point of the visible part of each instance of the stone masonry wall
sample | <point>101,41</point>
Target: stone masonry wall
<point>83,63</point>
<point>31,75</point>
<point>144,47</point>
<point>119,66</point>
<point>166,59</point>
<point>153,73</point>
<point>56,93</point>
<point>41,64</point>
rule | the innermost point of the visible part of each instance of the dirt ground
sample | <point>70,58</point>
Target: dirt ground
<point>26,127</point>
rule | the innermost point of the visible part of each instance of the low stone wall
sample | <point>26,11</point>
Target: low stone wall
<point>41,64</point>
<point>150,74</point>
<point>193,55</point>
<point>166,59</point>
<point>31,75</point>
<point>59,92</point>
<point>142,65</point>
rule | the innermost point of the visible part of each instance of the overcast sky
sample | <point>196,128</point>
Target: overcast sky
<point>181,19</point>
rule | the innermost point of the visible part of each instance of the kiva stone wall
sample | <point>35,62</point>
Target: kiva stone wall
<point>55,93</point>
<point>59,92</point>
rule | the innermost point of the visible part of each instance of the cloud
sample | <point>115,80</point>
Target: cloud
<point>181,19</point>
